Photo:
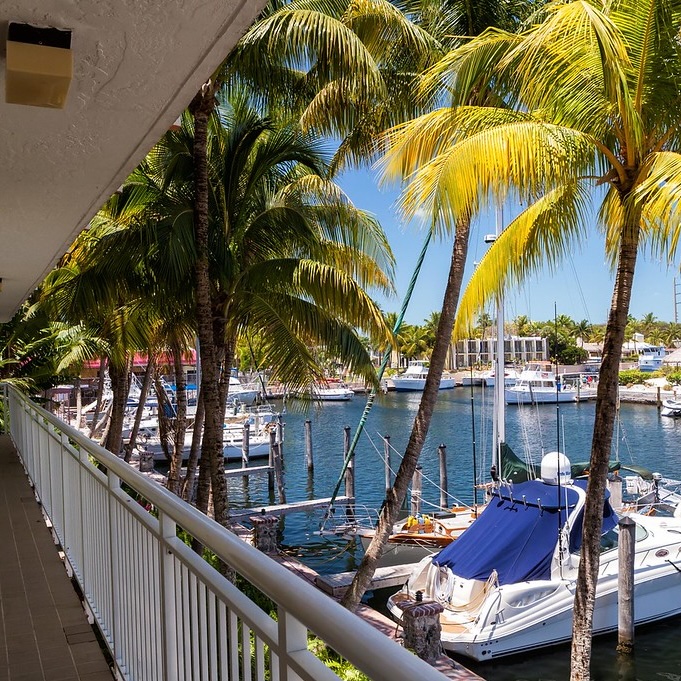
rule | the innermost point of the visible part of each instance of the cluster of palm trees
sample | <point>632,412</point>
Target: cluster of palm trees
<point>232,227</point>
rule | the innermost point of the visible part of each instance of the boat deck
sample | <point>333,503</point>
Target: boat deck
<point>44,634</point>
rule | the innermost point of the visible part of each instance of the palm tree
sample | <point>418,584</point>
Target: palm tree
<point>289,255</point>
<point>463,18</point>
<point>583,329</point>
<point>594,88</point>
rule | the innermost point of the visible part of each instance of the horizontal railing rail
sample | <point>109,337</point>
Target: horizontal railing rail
<point>163,611</point>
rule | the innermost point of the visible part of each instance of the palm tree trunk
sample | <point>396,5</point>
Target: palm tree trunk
<point>144,391</point>
<point>397,493</point>
<point>180,422</point>
<point>193,460</point>
<point>100,395</point>
<point>120,384</point>
<point>606,407</point>
<point>201,108</point>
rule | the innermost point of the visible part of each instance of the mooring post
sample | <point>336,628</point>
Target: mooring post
<point>659,398</point>
<point>444,492</point>
<point>308,446</point>
<point>349,471</point>
<point>422,629</point>
<point>265,533</point>
<point>245,445</point>
<point>279,472</point>
<point>270,463</point>
<point>386,456</point>
<point>416,484</point>
<point>625,585</point>
<point>280,436</point>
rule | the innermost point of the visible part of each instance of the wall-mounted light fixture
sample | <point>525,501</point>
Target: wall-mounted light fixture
<point>39,65</point>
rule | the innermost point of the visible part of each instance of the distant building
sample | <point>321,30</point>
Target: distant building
<point>517,350</point>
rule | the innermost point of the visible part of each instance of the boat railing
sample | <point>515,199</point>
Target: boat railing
<point>163,611</point>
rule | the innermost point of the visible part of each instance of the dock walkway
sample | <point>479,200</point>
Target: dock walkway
<point>44,633</point>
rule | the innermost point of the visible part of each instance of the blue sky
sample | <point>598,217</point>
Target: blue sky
<point>581,289</point>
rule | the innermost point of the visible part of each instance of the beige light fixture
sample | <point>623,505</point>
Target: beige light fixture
<point>39,65</point>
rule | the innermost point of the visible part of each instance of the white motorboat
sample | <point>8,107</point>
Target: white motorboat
<point>650,358</point>
<point>538,384</point>
<point>671,408</point>
<point>508,583</point>
<point>332,391</point>
<point>414,378</point>
<point>510,377</point>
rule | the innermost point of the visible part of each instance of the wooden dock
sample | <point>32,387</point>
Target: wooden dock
<point>335,585</point>
<point>283,509</point>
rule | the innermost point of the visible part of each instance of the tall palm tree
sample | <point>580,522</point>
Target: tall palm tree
<point>463,18</point>
<point>289,256</point>
<point>594,90</point>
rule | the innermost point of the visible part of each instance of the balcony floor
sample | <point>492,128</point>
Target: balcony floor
<point>44,634</point>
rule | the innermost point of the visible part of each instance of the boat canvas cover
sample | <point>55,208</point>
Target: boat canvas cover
<point>516,535</point>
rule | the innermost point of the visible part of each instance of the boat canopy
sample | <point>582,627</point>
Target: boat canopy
<point>516,535</point>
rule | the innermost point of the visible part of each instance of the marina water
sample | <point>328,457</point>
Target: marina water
<point>463,422</point>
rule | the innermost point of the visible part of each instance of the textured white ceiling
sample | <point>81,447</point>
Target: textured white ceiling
<point>137,65</point>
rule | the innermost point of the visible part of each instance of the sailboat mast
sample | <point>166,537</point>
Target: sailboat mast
<point>499,421</point>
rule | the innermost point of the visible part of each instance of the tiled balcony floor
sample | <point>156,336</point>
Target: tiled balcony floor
<point>44,634</point>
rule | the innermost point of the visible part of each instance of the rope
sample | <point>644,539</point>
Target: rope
<point>381,370</point>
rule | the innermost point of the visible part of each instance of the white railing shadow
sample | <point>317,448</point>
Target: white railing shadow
<point>164,612</point>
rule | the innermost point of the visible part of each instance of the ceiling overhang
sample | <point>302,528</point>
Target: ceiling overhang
<point>136,66</point>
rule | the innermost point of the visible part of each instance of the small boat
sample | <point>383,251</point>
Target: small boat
<point>414,378</point>
<point>508,583</point>
<point>510,377</point>
<point>538,384</point>
<point>671,408</point>
<point>332,391</point>
<point>418,536</point>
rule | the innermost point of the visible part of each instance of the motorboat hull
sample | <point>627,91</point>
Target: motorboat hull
<point>418,384</point>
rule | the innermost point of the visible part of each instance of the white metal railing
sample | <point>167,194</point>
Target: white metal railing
<point>163,611</point>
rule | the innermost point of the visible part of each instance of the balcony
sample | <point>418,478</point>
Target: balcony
<point>160,610</point>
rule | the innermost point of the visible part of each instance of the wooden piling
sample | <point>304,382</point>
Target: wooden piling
<point>444,491</point>
<point>625,585</point>
<point>308,446</point>
<point>280,436</point>
<point>388,468</point>
<point>246,445</point>
<point>349,471</point>
<point>659,398</point>
<point>279,472</point>
<point>416,486</point>
<point>270,474</point>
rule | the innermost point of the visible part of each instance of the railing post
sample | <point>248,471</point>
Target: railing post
<point>168,531</point>
<point>292,639</point>
<point>113,483</point>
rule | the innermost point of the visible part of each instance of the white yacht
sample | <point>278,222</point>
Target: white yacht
<point>507,583</point>
<point>538,384</point>
<point>414,378</point>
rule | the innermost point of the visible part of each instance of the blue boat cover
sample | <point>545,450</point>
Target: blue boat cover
<point>516,535</point>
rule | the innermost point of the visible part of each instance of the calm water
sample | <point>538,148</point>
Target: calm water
<point>643,437</point>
